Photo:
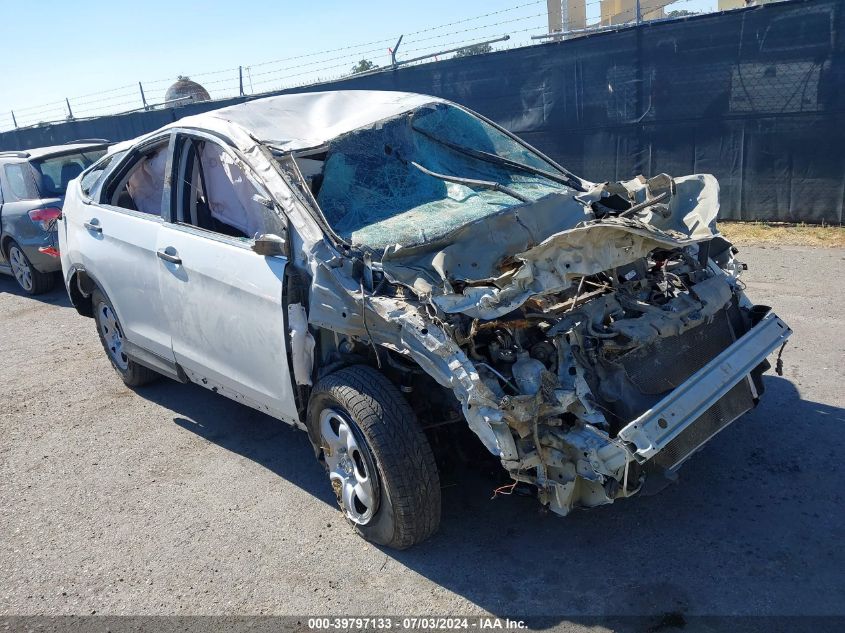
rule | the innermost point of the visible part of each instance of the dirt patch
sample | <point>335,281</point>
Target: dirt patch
<point>744,233</point>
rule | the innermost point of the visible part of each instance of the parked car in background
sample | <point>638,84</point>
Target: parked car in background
<point>32,190</point>
<point>404,279</point>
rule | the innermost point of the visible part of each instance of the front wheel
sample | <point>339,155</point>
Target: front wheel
<point>111,336</point>
<point>379,462</point>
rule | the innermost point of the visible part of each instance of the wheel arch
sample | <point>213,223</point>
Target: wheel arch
<point>402,457</point>
<point>80,286</point>
<point>6,240</point>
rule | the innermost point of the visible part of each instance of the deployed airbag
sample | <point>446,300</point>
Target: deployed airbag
<point>231,196</point>
<point>146,183</point>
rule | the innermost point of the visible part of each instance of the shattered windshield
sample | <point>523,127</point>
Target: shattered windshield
<point>409,180</point>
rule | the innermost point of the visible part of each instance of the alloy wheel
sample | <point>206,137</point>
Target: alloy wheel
<point>351,469</point>
<point>112,335</point>
<point>20,268</point>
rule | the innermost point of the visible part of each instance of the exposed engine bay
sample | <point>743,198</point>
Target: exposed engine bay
<point>572,369</point>
<point>555,371</point>
<point>592,336</point>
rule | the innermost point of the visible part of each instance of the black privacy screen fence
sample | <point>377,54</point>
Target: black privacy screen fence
<point>754,96</point>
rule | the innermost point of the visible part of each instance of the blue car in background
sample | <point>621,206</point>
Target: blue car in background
<point>32,190</point>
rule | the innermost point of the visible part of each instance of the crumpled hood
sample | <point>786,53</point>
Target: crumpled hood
<point>502,260</point>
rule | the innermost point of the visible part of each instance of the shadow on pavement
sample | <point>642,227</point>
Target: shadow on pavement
<point>267,441</point>
<point>57,296</point>
<point>752,513</point>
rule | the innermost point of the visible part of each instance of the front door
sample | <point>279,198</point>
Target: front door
<point>224,301</point>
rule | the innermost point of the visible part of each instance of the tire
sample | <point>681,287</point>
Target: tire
<point>395,456</point>
<point>31,281</point>
<point>111,337</point>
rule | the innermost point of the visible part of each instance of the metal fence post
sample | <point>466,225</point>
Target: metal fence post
<point>143,98</point>
<point>241,79</point>
<point>394,50</point>
<point>14,120</point>
<point>69,111</point>
<point>639,15</point>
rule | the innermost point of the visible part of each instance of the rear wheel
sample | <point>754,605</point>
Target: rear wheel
<point>379,462</point>
<point>32,281</point>
<point>111,336</point>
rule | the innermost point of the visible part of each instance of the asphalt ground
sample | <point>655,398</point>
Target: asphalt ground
<point>172,500</point>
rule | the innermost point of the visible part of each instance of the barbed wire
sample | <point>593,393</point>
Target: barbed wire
<point>435,48</point>
<point>41,106</point>
<point>486,15</point>
<point>380,50</point>
<point>39,111</point>
<point>483,26</point>
<point>405,51</point>
<point>391,40</point>
<point>319,69</point>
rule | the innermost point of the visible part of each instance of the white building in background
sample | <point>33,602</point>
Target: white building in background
<point>622,11</point>
<point>566,15</point>
<point>571,15</point>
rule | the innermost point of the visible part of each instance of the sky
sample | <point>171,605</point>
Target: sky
<point>95,52</point>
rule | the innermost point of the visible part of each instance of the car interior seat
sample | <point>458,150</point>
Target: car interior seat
<point>48,185</point>
<point>69,172</point>
<point>125,201</point>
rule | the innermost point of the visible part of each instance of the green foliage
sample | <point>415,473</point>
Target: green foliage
<point>363,66</point>
<point>477,49</point>
<point>680,13</point>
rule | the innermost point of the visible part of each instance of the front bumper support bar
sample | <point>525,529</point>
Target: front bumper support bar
<point>658,426</point>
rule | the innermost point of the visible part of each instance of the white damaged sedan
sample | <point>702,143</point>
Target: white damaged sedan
<point>394,274</point>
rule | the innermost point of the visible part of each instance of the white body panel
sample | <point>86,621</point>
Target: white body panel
<point>121,257</point>
<point>227,319</point>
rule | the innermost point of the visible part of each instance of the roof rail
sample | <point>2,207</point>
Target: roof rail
<point>14,154</point>
<point>87,140</point>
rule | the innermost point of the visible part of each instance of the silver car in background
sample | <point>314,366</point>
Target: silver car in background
<point>32,189</point>
<point>409,282</point>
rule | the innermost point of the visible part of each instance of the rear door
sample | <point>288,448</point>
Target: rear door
<point>115,239</point>
<point>228,326</point>
<point>19,195</point>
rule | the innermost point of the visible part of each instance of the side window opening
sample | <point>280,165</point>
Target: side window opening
<point>22,185</point>
<point>311,167</point>
<point>142,188</point>
<point>94,174</point>
<point>217,195</point>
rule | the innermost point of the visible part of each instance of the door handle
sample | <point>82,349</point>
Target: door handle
<point>173,259</point>
<point>93,225</point>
